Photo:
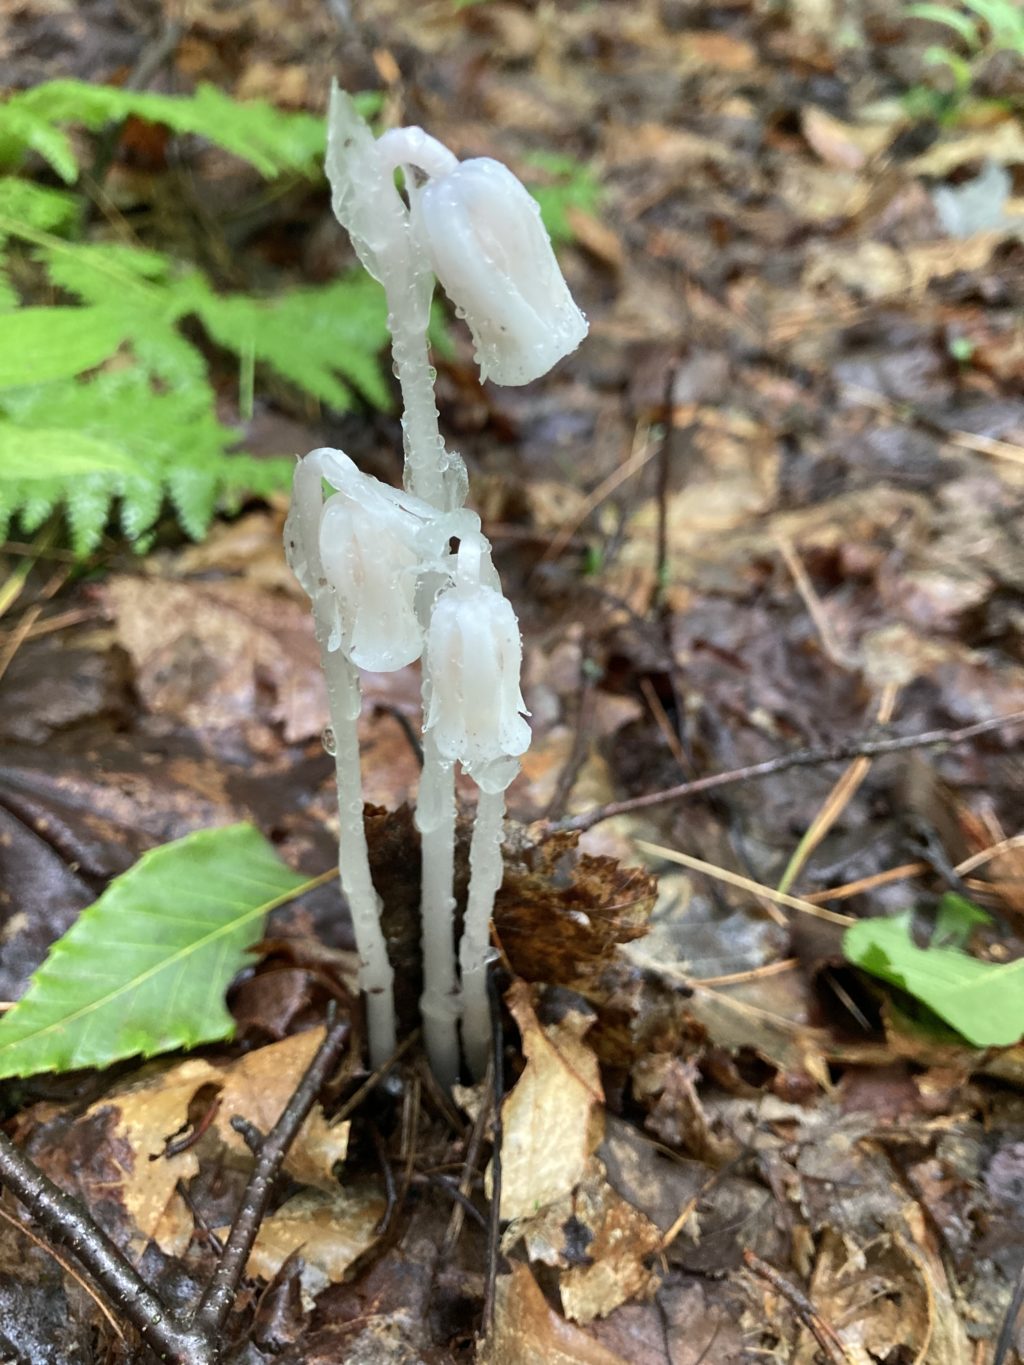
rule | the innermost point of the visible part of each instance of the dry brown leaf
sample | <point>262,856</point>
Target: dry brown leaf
<point>785,1043</point>
<point>1003,144</point>
<point>601,1243</point>
<point>597,237</point>
<point>626,144</point>
<point>148,1115</point>
<point>527,1331</point>
<point>560,914</point>
<point>843,146</point>
<point>205,652</point>
<point>723,51</point>
<point>250,546</point>
<point>908,1305</point>
<point>329,1231</point>
<point>878,270</point>
<point>551,1119</point>
<point>257,1087</point>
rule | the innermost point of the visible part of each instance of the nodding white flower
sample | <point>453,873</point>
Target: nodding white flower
<point>483,235</point>
<point>473,659</point>
<point>369,557</point>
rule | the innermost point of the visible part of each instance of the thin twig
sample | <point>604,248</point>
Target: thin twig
<point>67,1267</point>
<point>864,747</point>
<point>838,798</point>
<point>65,1222</point>
<point>1006,1332</point>
<point>662,552</point>
<point>815,608</point>
<point>824,1334</point>
<point>216,1303</point>
<point>476,1139</point>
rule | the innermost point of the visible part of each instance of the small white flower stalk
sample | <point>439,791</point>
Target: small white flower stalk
<point>386,589</point>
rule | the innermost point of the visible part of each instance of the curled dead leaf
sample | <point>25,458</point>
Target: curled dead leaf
<point>528,1331</point>
<point>552,1117</point>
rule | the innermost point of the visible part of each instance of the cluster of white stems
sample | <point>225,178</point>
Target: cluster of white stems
<point>396,577</point>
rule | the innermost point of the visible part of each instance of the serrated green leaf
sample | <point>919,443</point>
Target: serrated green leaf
<point>144,969</point>
<point>269,139</point>
<point>37,344</point>
<point>88,508</point>
<point>8,294</point>
<point>310,336</point>
<point>35,206</point>
<point>141,500</point>
<point>36,505</point>
<point>23,127</point>
<point>58,453</point>
<point>92,269</point>
<point>983,1001</point>
<point>194,494</point>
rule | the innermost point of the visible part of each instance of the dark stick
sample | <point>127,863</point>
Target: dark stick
<point>1005,1342</point>
<point>664,475</point>
<point>216,1303</point>
<point>65,1222</point>
<point>823,1332</point>
<point>800,758</point>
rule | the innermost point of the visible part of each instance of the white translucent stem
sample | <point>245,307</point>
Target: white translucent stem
<point>425,456</point>
<point>439,1005</point>
<point>376,977</point>
<point>485,874</point>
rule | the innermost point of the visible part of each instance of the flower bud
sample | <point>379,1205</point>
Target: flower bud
<point>372,565</point>
<point>473,658</point>
<point>482,231</point>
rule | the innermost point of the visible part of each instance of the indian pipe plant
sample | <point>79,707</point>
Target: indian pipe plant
<point>387,588</point>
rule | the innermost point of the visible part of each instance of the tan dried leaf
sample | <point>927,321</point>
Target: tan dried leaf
<point>615,1238</point>
<point>257,1087</point>
<point>878,270</point>
<point>843,146</point>
<point>549,1127</point>
<point>1003,144</point>
<point>329,1230</point>
<point>204,653</point>
<point>527,1331</point>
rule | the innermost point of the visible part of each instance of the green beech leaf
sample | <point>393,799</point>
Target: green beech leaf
<point>983,1001</point>
<point>956,920</point>
<point>144,969</point>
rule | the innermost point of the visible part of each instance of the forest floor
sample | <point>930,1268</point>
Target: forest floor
<point>773,503</point>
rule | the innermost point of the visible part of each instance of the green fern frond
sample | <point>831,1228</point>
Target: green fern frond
<point>90,270</point>
<point>269,139</point>
<point>36,206</point>
<point>23,129</point>
<point>310,336</point>
<point>9,297</point>
<point>105,398</point>
<point>39,344</point>
<point>563,184</point>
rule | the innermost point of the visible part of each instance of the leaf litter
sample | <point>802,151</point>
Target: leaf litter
<point>784,477</point>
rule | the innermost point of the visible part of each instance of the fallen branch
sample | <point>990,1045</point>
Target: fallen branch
<point>863,747</point>
<point>196,1338</point>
